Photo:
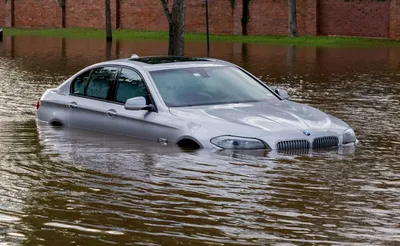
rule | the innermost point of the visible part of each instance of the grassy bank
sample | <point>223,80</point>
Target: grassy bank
<point>152,35</point>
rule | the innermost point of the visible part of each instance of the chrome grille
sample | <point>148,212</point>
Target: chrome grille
<point>293,144</point>
<point>325,142</point>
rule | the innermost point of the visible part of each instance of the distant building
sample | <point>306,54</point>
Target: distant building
<point>369,18</point>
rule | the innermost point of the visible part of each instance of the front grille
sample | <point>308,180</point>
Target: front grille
<point>293,144</point>
<point>325,142</point>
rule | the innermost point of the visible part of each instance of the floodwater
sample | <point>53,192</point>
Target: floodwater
<point>68,187</point>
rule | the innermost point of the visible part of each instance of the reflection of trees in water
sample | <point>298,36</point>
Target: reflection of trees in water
<point>245,55</point>
<point>291,57</point>
<point>108,49</point>
<point>118,49</point>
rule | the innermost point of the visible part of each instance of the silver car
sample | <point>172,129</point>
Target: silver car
<point>191,102</point>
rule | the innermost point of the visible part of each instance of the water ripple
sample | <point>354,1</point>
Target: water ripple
<point>83,188</point>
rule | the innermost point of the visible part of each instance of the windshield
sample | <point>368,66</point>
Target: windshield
<point>208,85</point>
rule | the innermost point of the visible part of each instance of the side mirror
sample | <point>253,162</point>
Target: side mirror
<point>282,93</point>
<point>137,103</point>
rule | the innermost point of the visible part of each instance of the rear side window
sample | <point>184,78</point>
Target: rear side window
<point>79,84</point>
<point>100,82</point>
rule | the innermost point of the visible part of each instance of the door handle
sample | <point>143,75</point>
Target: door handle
<point>73,105</point>
<point>111,113</point>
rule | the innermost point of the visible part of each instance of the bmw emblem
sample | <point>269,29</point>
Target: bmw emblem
<point>306,133</point>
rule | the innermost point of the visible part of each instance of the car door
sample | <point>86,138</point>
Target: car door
<point>90,97</point>
<point>135,123</point>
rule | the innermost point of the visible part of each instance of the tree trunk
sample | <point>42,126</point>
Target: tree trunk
<point>176,20</point>
<point>108,49</point>
<point>118,14</point>
<point>291,58</point>
<point>61,4</point>
<point>292,19</point>
<point>12,16</point>
<point>63,17</point>
<point>108,21</point>
<point>245,16</point>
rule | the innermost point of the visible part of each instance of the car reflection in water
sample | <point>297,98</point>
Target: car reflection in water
<point>80,146</point>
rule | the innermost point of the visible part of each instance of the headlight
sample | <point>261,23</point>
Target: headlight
<point>232,142</point>
<point>349,136</point>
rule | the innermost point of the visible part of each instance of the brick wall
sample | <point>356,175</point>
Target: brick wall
<point>149,15</point>
<point>267,17</point>
<point>270,17</point>
<point>220,17</point>
<point>9,13</point>
<point>354,18</point>
<point>310,13</point>
<point>2,14</point>
<point>37,13</point>
<point>394,31</point>
<point>142,15</point>
<point>88,13</point>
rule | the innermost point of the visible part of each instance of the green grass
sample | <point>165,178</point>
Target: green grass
<point>324,41</point>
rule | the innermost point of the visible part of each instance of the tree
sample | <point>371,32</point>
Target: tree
<point>292,19</point>
<point>61,4</point>
<point>245,16</point>
<point>176,21</point>
<point>245,19</point>
<point>108,20</point>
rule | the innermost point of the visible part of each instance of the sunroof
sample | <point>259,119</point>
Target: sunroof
<point>168,59</point>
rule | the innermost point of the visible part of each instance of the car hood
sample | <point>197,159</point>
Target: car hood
<point>259,118</point>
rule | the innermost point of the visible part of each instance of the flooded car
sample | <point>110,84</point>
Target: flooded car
<point>191,102</point>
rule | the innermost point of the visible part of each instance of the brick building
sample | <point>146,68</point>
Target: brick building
<point>370,18</point>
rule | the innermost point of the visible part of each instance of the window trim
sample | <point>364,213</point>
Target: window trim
<point>73,82</point>
<point>114,95</point>
<point>113,85</point>
<point>72,86</point>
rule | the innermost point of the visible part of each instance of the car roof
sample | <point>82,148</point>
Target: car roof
<point>154,63</point>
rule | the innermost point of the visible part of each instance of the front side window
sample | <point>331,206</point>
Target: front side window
<point>129,85</point>
<point>208,85</point>
<point>100,82</point>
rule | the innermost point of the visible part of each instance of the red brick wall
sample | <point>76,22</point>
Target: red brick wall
<point>354,18</point>
<point>326,17</point>
<point>142,15</point>
<point>88,13</point>
<point>268,17</point>
<point>149,15</point>
<point>9,13</point>
<point>310,11</point>
<point>2,14</point>
<point>37,13</point>
<point>394,31</point>
<point>220,17</point>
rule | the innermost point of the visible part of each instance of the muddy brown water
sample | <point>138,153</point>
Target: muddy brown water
<point>70,187</point>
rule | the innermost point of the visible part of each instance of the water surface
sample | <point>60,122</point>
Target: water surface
<point>69,187</point>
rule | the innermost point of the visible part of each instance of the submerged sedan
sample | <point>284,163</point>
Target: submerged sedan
<point>191,102</point>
